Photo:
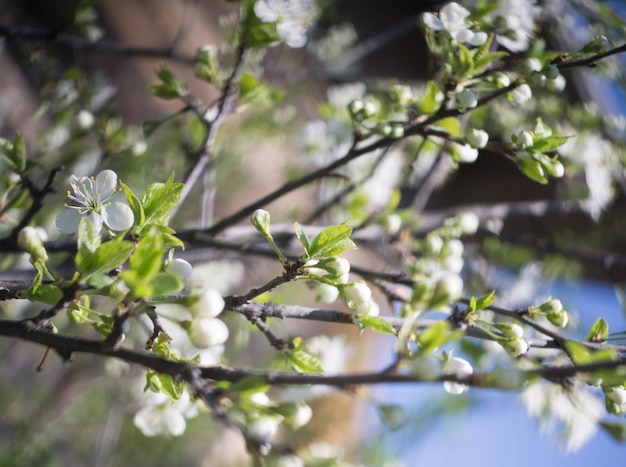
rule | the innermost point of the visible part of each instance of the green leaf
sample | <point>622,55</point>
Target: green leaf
<point>375,323</point>
<point>332,241</point>
<point>450,124</point>
<point>14,153</point>
<point>462,62</point>
<point>303,237</point>
<point>599,331</point>
<point>532,169</point>
<point>49,294</point>
<point>617,431</point>
<point>585,356</point>
<point>158,200</point>
<point>251,385</point>
<point>430,103</point>
<point>164,284</point>
<point>165,384</point>
<point>549,144</point>
<point>88,237</point>
<point>254,32</point>
<point>434,337</point>
<point>486,300</point>
<point>253,92</point>
<point>165,91</point>
<point>148,127</point>
<point>134,204</point>
<point>303,362</point>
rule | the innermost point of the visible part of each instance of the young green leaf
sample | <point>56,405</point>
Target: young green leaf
<point>599,331</point>
<point>332,241</point>
<point>134,204</point>
<point>375,323</point>
<point>303,237</point>
<point>158,200</point>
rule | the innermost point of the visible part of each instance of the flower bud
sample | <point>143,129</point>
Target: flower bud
<point>30,240</point>
<point>502,80</point>
<point>206,332</point>
<point>468,222</point>
<point>616,394</point>
<point>392,224</point>
<point>477,138</point>
<point>262,429</point>
<point>337,266</point>
<point>537,80</point>
<point>326,293</point>
<point>84,119</point>
<point>261,221</point>
<point>454,247</point>
<point>460,367</point>
<point>531,65</point>
<point>433,244</point>
<point>357,293</point>
<point>302,415</point>
<point>553,305</point>
<point>465,153</point>
<point>355,107</point>
<point>559,319</point>
<point>179,267</point>
<point>208,303</point>
<point>599,44</point>
<point>521,94</point>
<point>401,94</point>
<point>465,100</point>
<point>557,84</point>
<point>524,139</point>
<point>514,346</point>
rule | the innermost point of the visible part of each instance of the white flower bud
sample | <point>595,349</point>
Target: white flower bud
<point>369,109</point>
<point>262,429</point>
<point>326,293</point>
<point>460,367</point>
<point>84,120</point>
<point>337,266</point>
<point>557,84</point>
<point>537,80</point>
<point>477,138</point>
<point>521,94</point>
<point>392,224</point>
<point>559,319</point>
<point>355,107</point>
<point>553,305</point>
<point>207,304</point>
<point>524,139</point>
<point>515,346</point>
<point>479,39</point>
<point>261,221</point>
<point>502,80</point>
<point>179,267</point>
<point>465,153</point>
<point>465,100</point>
<point>357,293</point>
<point>468,222</point>
<point>433,244</point>
<point>30,240</point>
<point>454,247</point>
<point>616,394</point>
<point>532,64</point>
<point>206,332</point>
<point>302,416</point>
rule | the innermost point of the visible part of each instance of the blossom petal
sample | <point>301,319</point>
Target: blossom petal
<point>118,216</point>
<point>106,183</point>
<point>432,22</point>
<point>67,222</point>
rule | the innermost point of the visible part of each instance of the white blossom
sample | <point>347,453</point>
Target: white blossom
<point>160,416</point>
<point>517,19</point>
<point>453,19</point>
<point>294,18</point>
<point>92,198</point>
<point>469,223</point>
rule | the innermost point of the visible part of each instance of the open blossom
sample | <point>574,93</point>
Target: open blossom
<point>92,198</point>
<point>452,18</point>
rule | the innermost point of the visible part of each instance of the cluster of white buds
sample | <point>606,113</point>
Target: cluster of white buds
<point>358,296</point>
<point>554,312</point>
<point>205,330</point>
<point>513,342</point>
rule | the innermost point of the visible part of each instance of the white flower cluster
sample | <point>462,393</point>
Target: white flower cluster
<point>205,330</point>
<point>453,19</point>
<point>294,18</point>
